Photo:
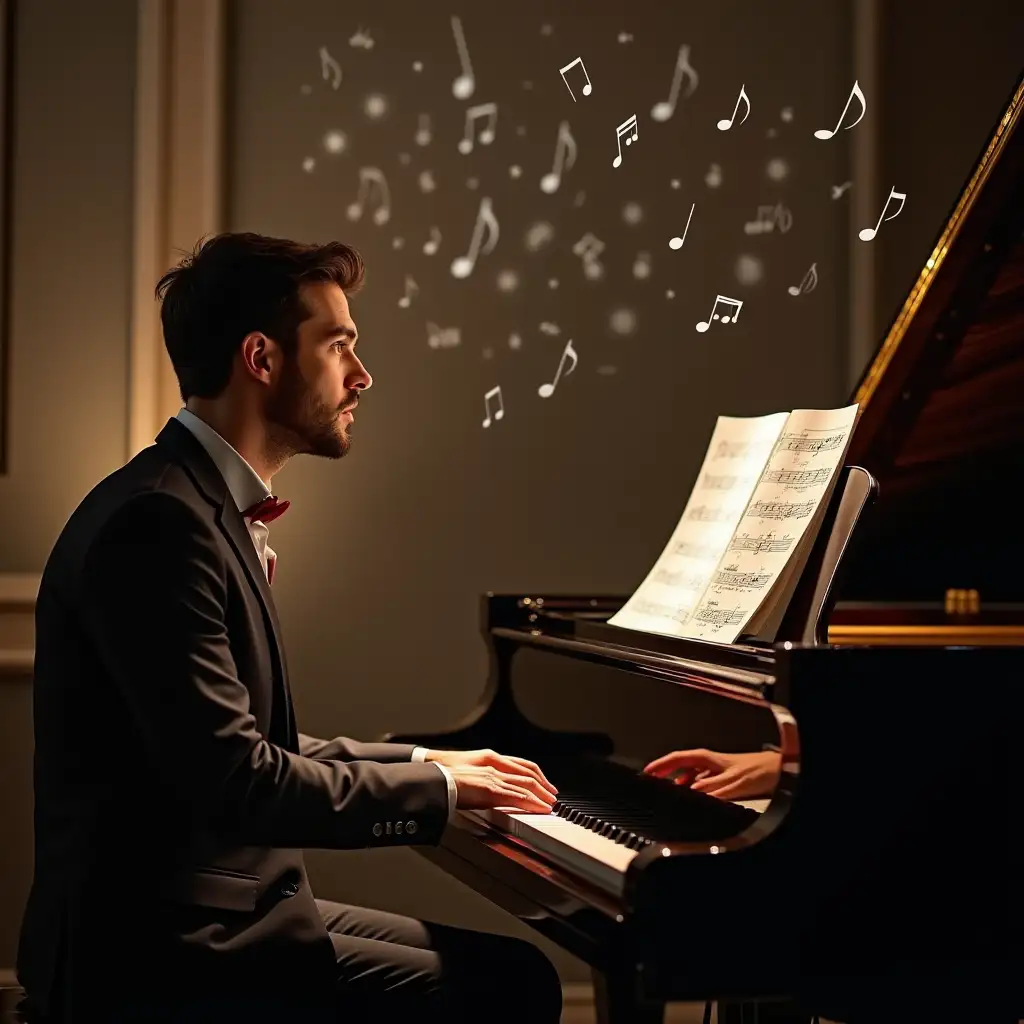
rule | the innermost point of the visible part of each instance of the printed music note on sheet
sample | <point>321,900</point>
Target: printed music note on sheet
<point>329,68</point>
<point>726,123</point>
<point>495,392</point>
<point>423,134</point>
<point>411,289</point>
<point>664,109</point>
<point>565,157</point>
<point>731,317</point>
<point>825,133</point>
<point>473,114</point>
<point>463,86</point>
<point>546,390</point>
<point>431,245</point>
<point>462,266</point>
<point>628,129</point>
<point>677,242</point>
<point>808,284</point>
<point>587,89</point>
<point>866,234</point>
<point>370,177</point>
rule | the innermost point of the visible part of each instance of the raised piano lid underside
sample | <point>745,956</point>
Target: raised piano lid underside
<point>942,405</point>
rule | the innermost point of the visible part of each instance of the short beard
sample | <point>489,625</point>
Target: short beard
<point>300,424</point>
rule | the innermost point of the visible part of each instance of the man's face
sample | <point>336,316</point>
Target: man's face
<point>306,409</point>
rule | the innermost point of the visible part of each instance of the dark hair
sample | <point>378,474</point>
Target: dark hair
<point>233,284</point>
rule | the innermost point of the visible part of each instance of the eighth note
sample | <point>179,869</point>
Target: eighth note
<point>735,304</point>
<point>329,66</point>
<point>488,110</point>
<point>546,390</point>
<point>462,266</point>
<point>499,412</point>
<point>866,234</point>
<point>808,284</point>
<point>565,157</point>
<point>628,126</point>
<point>587,89</point>
<point>726,123</point>
<point>824,133</point>
<point>368,177</point>
<point>677,242</point>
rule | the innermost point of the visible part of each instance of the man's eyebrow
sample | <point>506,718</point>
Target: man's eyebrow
<point>342,332</point>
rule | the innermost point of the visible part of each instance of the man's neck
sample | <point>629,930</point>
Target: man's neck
<point>244,433</point>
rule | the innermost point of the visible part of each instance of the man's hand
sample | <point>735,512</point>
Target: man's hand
<point>485,779</point>
<point>726,776</point>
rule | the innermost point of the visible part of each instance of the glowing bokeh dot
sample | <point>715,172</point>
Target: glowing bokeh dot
<point>375,105</point>
<point>397,243</point>
<point>538,235</point>
<point>552,283</point>
<point>669,294</point>
<point>515,171</point>
<point>514,341</point>
<point>676,183</point>
<point>335,142</point>
<point>749,270</point>
<point>622,321</point>
<point>308,164</point>
<point>404,159</point>
<point>417,66</point>
<point>632,213</point>
<point>508,281</point>
<point>777,169</point>
<point>787,114</point>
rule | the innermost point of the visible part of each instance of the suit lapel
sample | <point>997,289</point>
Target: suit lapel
<point>186,450</point>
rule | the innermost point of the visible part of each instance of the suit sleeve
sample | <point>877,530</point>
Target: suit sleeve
<point>154,591</point>
<point>343,749</point>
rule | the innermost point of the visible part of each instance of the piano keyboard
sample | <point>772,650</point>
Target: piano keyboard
<point>596,836</point>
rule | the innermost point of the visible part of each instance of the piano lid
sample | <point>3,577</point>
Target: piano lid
<point>941,423</point>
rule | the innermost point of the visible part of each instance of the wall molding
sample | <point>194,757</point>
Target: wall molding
<point>17,625</point>
<point>179,180</point>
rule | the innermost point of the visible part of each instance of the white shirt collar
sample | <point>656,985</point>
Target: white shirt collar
<point>243,481</point>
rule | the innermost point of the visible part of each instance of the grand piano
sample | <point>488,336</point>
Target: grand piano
<point>883,872</point>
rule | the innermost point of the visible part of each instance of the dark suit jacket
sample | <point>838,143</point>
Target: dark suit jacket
<point>173,793</point>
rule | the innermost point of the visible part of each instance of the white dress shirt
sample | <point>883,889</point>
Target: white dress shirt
<point>247,488</point>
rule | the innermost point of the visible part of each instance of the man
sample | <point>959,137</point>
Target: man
<point>173,790</point>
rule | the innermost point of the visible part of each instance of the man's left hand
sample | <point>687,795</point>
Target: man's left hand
<point>492,759</point>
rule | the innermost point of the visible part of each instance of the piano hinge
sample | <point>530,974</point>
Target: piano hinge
<point>962,602</point>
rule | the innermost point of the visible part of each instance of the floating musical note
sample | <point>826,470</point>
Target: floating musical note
<point>589,248</point>
<point>411,289</point>
<point>768,218</point>
<point>734,304</point>
<point>726,123</point>
<point>426,180</point>
<point>546,390</point>
<point>430,246</point>
<point>808,284</point>
<point>495,392</point>
<point>462,266</point>
<point>714,176</point>
<point>664,109</point>
<point>627,128</point>
<point>677,242</point>
<point>329,68</point>
<point>825,133</point>
<point>587,89</point>
<point>443,337</point>
<point>642,266</point>
<point>368,178</point>
<point>866,234</point>
<point>473,114</point>
<point>463,86</point>
<point>361,39</point>
<point>549,328</point>
<point>625,37</point>
<point>423,134</point>
<point>838,190</point>
<point>565,157</point>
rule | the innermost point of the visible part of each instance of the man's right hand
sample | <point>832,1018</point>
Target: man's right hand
<point>482,787</point>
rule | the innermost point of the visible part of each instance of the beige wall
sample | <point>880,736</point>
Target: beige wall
<point>382,557</point>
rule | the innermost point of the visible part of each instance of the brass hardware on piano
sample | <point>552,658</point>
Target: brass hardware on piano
<point>881,721</point>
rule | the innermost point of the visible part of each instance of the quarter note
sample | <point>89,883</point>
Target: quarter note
<point>411,289</point>
<point>462,266</point>
<point>726,123</point>
<point>733,304</point>
<point>368,178</point>
<point>664,109</point>
<point>824,133</point>
<point>565,157</point>
<point>546,390</point>
<point>866,234</point>
<point>587,89</point>
<point>495,392</point>
<point>430,246</point>
<point>473,114</point>
<point>627,128</point>
<point>465,84</point>
<point>329,68</point>
<point>808,284</point>
<point>677,242</point>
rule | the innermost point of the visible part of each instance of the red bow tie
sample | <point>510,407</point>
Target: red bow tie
<point>267,510</point>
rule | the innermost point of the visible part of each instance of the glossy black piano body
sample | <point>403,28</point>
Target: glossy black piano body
<point>889,857</point>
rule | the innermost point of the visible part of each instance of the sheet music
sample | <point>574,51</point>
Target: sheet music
<point>739,448</point>
<point>798,475</point>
